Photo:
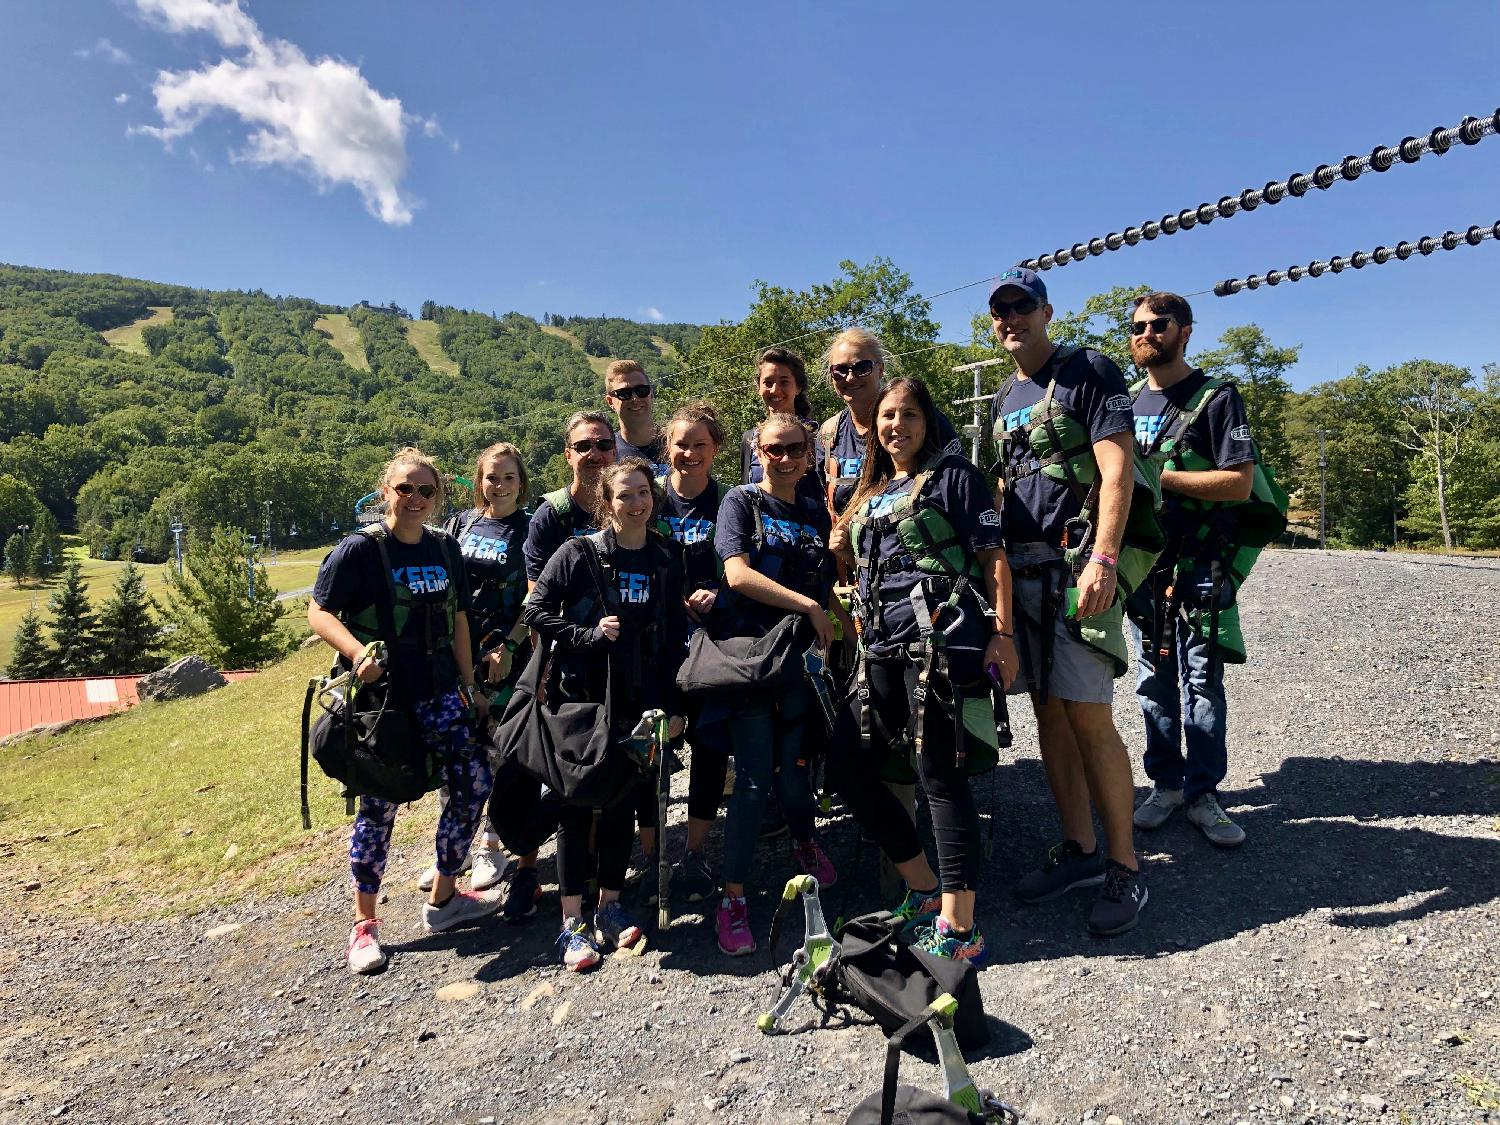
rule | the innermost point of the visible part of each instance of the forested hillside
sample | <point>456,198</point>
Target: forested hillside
<point>234,408</point>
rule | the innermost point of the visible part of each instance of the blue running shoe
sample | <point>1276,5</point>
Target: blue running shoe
<point>939,940</point>
<point>576,944</point>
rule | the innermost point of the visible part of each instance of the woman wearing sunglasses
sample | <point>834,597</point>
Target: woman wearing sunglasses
<point>934,598</point>
<point>610,606</point>
<point>774,545</point>
<point>781,383</point>
<point>855,364</point>
<point>419,608</point>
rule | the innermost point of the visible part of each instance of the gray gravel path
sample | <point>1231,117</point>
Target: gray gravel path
<point>1341,966</point>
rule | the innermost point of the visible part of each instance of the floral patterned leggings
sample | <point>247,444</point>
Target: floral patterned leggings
<point>466,772</point>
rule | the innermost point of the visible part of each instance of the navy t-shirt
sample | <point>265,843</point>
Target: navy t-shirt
<point>1221,435</point>
<point>496,570</point>
<point>1090,388</point>
<point>549,531</point>
<point>691,523</point>
<point>963,495</point>
<point>848,454</point>
<point>350,581</point>
<point>654,451</point>
<point>794,552</point>
<point>811,484</point>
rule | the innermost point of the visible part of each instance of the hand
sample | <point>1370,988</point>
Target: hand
<point>839,543</point>
<point>370,670</point>
<point>822,626</point>
<point>1096,590</point>
<point>1001,652</point>
<point>481,705</point>
<point>497,663</point>
<point>610,627</point>
<point>675,726</point>
<point>700,603</point>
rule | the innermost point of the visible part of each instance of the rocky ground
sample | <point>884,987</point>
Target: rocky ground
<point>1341,966</point>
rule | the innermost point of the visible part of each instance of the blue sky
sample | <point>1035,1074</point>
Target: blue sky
<point>655,160</point>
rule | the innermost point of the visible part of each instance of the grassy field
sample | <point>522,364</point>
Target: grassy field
<point>423,335</point>
<point>176,805</point>
<point>291,570</point>
<point>597,362</point>
<point>345,337</point>
<point>128,336</point>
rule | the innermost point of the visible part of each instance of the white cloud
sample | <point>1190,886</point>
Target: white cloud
<point>121,99</point>
<point>319,117</point>
<point>103,49</point>
<point>654,313</point>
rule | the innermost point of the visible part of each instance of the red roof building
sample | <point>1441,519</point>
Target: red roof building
<point>29,703</point>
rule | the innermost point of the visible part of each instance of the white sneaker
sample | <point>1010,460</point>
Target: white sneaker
<point>1155,809</point>
<point>463,907</point>
<point>365,954</point>
<point>488,869</point>
<point>428,877</point>
<point>1210,818</point>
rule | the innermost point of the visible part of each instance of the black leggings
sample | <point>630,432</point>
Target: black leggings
<point>519,814</point>
<point>955,819</point>
<point>612,841</point>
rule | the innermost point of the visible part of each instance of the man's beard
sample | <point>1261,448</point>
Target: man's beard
<point>1149,354</point>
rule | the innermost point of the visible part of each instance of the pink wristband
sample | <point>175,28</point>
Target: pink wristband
<point>1104,560</point>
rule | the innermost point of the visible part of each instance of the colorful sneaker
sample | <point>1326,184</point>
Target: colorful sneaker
<point>464,906</point>
<point>1208,816</point>
<point>814,861</point>
<point>1065,869</point>
<point>1155,809</point>
<point>732,923</point>
<point>576,945</point>
<point>918,908</point>
<point>939,940</point>
<point>613,927</point>
<point>365,954</point>
<point>1119,904</point>
<point>489,867</point>
<point>521,895</point>
<point>692,879</point>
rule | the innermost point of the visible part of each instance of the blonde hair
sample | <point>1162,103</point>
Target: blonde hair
<point>622,367</point>
<point>694,413</point>
<point>861,338</point>
<point>611,475</point>
<point>411,455</point>
<point>494,453</point>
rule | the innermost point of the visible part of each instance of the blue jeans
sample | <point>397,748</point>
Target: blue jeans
<point>767,742</point>
<point>1182,702</point>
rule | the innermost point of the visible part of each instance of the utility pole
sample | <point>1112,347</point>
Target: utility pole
<point>177,529</point>
<point>975,429</point>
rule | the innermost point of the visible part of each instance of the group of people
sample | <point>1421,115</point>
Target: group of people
<point>931,585</point>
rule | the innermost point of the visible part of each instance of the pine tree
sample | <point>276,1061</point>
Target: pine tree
<point>74,626</point>
<point>213,610</point>
<point>44,555</point>
<point>129,637</point>
<point>16,557</point>
<point>30,658</point>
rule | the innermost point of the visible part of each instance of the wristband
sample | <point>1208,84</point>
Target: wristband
<point>1104,560</point>
<point>510,646</point>
<point>1007,636</point>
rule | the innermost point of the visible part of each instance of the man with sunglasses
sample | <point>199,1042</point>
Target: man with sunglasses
<point>588,445</point>
<point>1185,578</point>
<point>1071,682</point>
<point>633,398</point>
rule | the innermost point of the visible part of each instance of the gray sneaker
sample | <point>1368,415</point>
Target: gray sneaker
<point>1066,868</point>
<point>1155,809</point>
<point>464,906</point>
<point>1120,900</point>
<point>1206,813</point>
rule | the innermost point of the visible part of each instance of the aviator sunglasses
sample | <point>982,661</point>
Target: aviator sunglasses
<point>1158,325</point>
<point>599,445</point>
<point>792,449</point>
<point>425,491</point>
<point>625,394</point>
<point>856,370</point>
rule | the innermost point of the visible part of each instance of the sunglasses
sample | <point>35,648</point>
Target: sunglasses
<point>856,370</point>
<point>625,394</point>
<point>795,449</point>
<point>1157,325</point>
<point>425,491</point>
<point>598,445</point>
<point>1024,307</point>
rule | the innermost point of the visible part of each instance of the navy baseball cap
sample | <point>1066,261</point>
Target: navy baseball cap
<point>1021,278</point>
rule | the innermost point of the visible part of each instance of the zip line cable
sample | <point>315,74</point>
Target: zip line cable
<point>1470,131</point>
<point>1359,259</point>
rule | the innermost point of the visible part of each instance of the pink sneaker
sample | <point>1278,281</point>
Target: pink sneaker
<point>733,925</point>
<point>365,954</point>
<point>814,861</point>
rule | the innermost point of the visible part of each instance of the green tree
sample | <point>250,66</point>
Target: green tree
<point>44,550</point>
<point>1436,404</point>
<point>1102,324</point>
<point>17,559</point>
<point>18,504</point>
<point>74,627</point>
<point>1258,367</point>
<point>30,658</point>
<point>129,637</point>
<point>212,607</point>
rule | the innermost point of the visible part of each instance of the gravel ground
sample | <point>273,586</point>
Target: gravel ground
<point>1341,966</point>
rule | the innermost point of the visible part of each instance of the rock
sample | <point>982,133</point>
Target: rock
<point>426,1034</point>
<point>1373,1101</point>
<point>1354,1037</point>
<point>739,1056</point>
<point>34,885</point>
<point>224,930</point>
<point>230,852</point>
<point>540,992</point>
<point>1114,1119</point>
<point>560,1013</point>
<point>1286,1101</point>
<point>192,675</point>
<point>459,990</point>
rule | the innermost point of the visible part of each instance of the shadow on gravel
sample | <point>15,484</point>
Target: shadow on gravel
<point>1306,848</point>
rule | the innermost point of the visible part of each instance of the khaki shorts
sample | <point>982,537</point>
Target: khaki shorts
<point>1079,672</point>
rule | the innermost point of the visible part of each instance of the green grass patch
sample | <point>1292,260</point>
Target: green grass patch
<point>345,337</point>
<point>176,806</point>
<point>667,348</point>
<point>423,336</point>
<point>291,570</point>
<point>128,336</point>
<point>1482,1093</point>
<point>598,362</point>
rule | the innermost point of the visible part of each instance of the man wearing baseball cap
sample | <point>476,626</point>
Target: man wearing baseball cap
<point>1073,406</point>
